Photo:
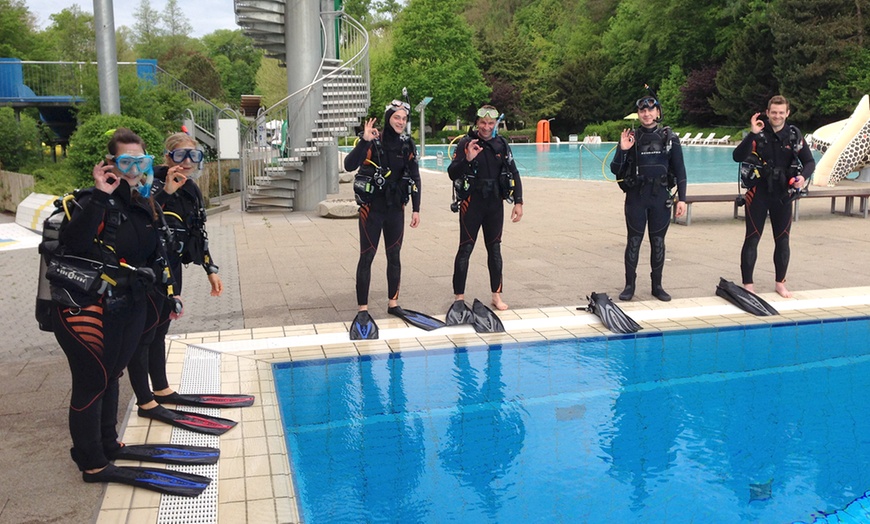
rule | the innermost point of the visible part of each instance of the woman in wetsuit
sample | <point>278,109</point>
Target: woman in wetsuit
<point>388,178</point>
<point>484,172</point>
<point>116,222</point>
<point>176,192</point>
<point>648,162</point>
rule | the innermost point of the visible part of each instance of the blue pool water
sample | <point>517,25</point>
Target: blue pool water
<point>758,424</point>
<point>704,164</point>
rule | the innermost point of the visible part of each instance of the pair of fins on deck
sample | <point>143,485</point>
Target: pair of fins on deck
<point>169,482</point>
<point>617,321</point>
<point>479,315</point>
<point>165,481</point>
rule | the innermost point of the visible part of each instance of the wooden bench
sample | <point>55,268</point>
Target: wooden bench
<point>848,194</point>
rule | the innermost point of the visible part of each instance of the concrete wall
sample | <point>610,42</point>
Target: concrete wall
<point>14,187</point>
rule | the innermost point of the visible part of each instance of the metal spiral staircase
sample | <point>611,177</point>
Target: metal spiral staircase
<point>272,168</point>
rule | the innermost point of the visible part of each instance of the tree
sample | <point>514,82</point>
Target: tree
<point>745,81</point>
<point>700,86</point>
<point>813,39</point>
<point>236,59</point>
<point>433,55</point>
<point>20,39</point>
<point>670,96</point>
<point>176,22</point>
<point>271,81</point>
<point>71,35</point>
<point>147,33</point>
<point>840,96</point>
<point>19,140</point>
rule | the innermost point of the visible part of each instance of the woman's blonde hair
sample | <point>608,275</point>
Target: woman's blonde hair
<point>176,139</point>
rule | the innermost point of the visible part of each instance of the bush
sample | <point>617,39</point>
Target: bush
<point>56,179</point>
<point>88,143</point>
<point>608,131</point>
<point>19,141</point>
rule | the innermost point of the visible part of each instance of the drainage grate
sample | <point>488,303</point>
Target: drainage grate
<point>201,374</point>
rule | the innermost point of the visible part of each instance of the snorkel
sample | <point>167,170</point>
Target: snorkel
<point>497,123</point>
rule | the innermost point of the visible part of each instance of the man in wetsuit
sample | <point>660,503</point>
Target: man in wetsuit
<point>484,174</point>
<point>785,163</point>
<point>648,163</point>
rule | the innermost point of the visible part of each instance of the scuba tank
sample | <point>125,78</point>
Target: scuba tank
<point>47,248</point>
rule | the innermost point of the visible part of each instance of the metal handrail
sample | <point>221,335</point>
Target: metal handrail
<point>44,79</point>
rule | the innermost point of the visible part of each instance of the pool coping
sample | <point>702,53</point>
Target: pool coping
<point>254,482</point>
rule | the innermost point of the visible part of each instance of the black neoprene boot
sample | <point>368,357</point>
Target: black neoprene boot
<point>628,292</point>
<point>657,289</point>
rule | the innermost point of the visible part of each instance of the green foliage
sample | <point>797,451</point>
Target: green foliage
<point>56,179</point>
<point>813,42</point>
<point>608,131</point>
<point>159,105</point>
<point>88,143</point>
<point>433,56</point>
<point>19,141</point>
<point>745,81</point>
<point>272,81</point>
<point>236,60</point>
<point>71,36</point>
<point>840,96</point>
<point>670,96</point>
<point>20,39</point>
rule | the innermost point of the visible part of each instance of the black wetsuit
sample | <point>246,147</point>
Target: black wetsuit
<point>100,339</point>
<point>184,211</point>
<point>482,206</point>
<point>385,210</point>
<point>770,195</point>
<point>644,169</point>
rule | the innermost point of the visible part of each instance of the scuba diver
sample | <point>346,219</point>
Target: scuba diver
<point>388,177</point>
<point>783,164</point>
<point>176,192</point>
<point>484,174</point>
<point>649,164</point>
<point>117,225</point>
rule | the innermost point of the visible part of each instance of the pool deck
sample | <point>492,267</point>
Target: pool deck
<point>289,281</point>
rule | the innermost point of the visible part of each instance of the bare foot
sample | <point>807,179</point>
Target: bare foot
<point>497,302</point>
<point>749,287</point>
<point>781,289</point>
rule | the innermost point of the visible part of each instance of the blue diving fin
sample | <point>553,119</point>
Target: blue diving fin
<point>416,319</point>
<point>363,327</point>
<point>160,480</point>
<point>167,454</point>
<point>484,319</point>
<point>744,299</point>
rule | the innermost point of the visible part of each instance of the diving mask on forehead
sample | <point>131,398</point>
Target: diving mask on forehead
<point>489,112</point>
<point>647,102</point>
<point>131,165</point>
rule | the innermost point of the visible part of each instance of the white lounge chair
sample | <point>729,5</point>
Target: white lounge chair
<point>693,140</point>
<point>708,140</point>
<point>724,140</point>
<point>572,138</point>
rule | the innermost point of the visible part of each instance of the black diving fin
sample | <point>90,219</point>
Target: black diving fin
<point>459,313</point>
<point>167,454</point>
<point>206,401</point>
<point>415,318</point>
<point>186,420</point>
<point>484,319</point>
<point>744,299</point>
<point>611,316</point>
<point>363,327</point>
<point>164,481</point>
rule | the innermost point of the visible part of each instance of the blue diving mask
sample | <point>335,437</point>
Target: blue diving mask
<point>130,165</point>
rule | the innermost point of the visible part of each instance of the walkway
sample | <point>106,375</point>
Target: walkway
<point>290,269</point>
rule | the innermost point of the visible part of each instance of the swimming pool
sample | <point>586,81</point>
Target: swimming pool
<point>753,424</point>
<point>704,164</point>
